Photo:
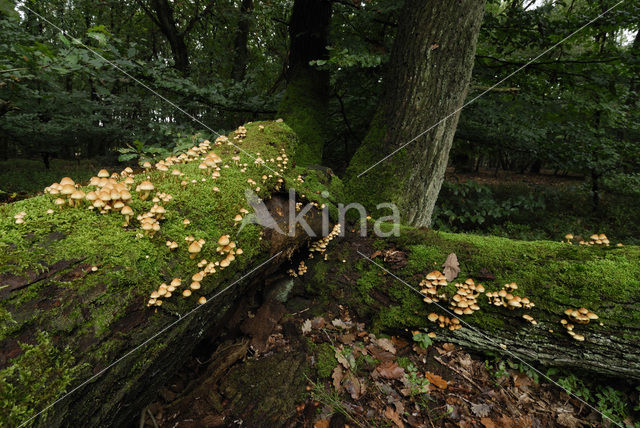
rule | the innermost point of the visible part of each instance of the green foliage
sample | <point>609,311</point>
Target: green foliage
<point>467,205</point>
<point>423,340</point>
<point>417,383</point>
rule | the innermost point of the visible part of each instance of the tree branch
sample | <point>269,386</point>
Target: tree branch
<point>149,13</point>
<point>197,17</point>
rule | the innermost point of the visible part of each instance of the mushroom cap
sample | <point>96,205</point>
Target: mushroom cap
<point>126,210</point>
<point>195,285</point>
<point>195,247</point>
<point>202,300</point>
<point>186,292</point>
<point>146,185</point>
<point>432,317</point>
<point>103,173</point>
<point>78,195</point>
<point>224,240</point>
<point>197,277</point>
<point>568,236</point>
<point>67,189</point>
<point>66,180</point>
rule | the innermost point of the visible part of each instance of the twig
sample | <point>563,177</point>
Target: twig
<point>450,367</point>
<point>153,420</point>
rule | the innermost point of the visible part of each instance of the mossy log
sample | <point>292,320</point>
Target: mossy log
<point>74,283</point>
<point>555,276</point>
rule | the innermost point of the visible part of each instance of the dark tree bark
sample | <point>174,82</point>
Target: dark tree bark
<point>161,13</point>
<point>304,106</point>
<point>241,53</point>
<point>426,83</point>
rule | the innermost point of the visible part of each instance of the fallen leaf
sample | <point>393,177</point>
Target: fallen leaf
<point>390,370</point>
<point>393,416</point>
<point>317,322</point>
<point>386,344</point>
<point>481,409</point>
<point>337,377</point>
<point>521,380</point>
<point>339,323</point>
<point>376,254</point>
<point>434,46</point>
<point>322,423</point>
<point>342,359</point>
<point>354,386</point>
<point>348,338</point>
<point>451,267</point>
<point>306,327</point>
<point>487,423</point>
<point>566,419</point>
<point>436,380</point>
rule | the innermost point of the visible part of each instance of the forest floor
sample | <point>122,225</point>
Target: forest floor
<point>501,177</point>
<point>332,372</point>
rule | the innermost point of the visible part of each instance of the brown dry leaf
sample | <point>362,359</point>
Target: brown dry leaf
<point>481,409</point>
<point>317,322</point>
<point>322,423</point>
<point>488,423</point>
<point>337,377</point>
<point>436,380</point>
<point>393,416</point>
<point>348,338</point>
<point>386,344</point>
<point>390,370</point>
<point>566,419</point>
<point>375,254</point>
<point>354,386</point>
<point>521,380</point>
<point>341,359</point>
<point>451,267</point>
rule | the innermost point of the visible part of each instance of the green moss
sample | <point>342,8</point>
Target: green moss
<point>326,360</point>
<point>304,108</point>
<point>39,375</point>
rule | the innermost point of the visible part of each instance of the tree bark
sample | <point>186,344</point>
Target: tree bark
<point>241,53</point>
<point>425,84</point>
<point>305,102</point>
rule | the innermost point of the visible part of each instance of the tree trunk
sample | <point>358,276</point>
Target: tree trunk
<point>166,22</point>
<point>426,82</point>
<point>241,54</point>
<point>555,276</point>
<point>305,102</point>
<point>85,280</point>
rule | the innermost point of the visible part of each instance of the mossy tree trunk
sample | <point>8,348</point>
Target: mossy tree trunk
<point>425,84</point>
<point>554,276</point>
<point>74,284</point>
<point>305,102</point>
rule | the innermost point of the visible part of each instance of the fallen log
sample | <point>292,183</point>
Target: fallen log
<point>105,306</point>
<point>380,280</point>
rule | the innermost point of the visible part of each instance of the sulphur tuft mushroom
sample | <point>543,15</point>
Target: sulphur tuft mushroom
<point>145,189</point>
<point>194,248</point>
<point>202,300</point>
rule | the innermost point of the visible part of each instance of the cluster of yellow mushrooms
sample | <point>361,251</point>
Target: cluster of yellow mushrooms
<point>113,192</point>
<point>578,316</point>
<point>505,297</point>
<point>319,246</point>
<point>464,302</point>
<point>444,321</point>
<point>595,239</point>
